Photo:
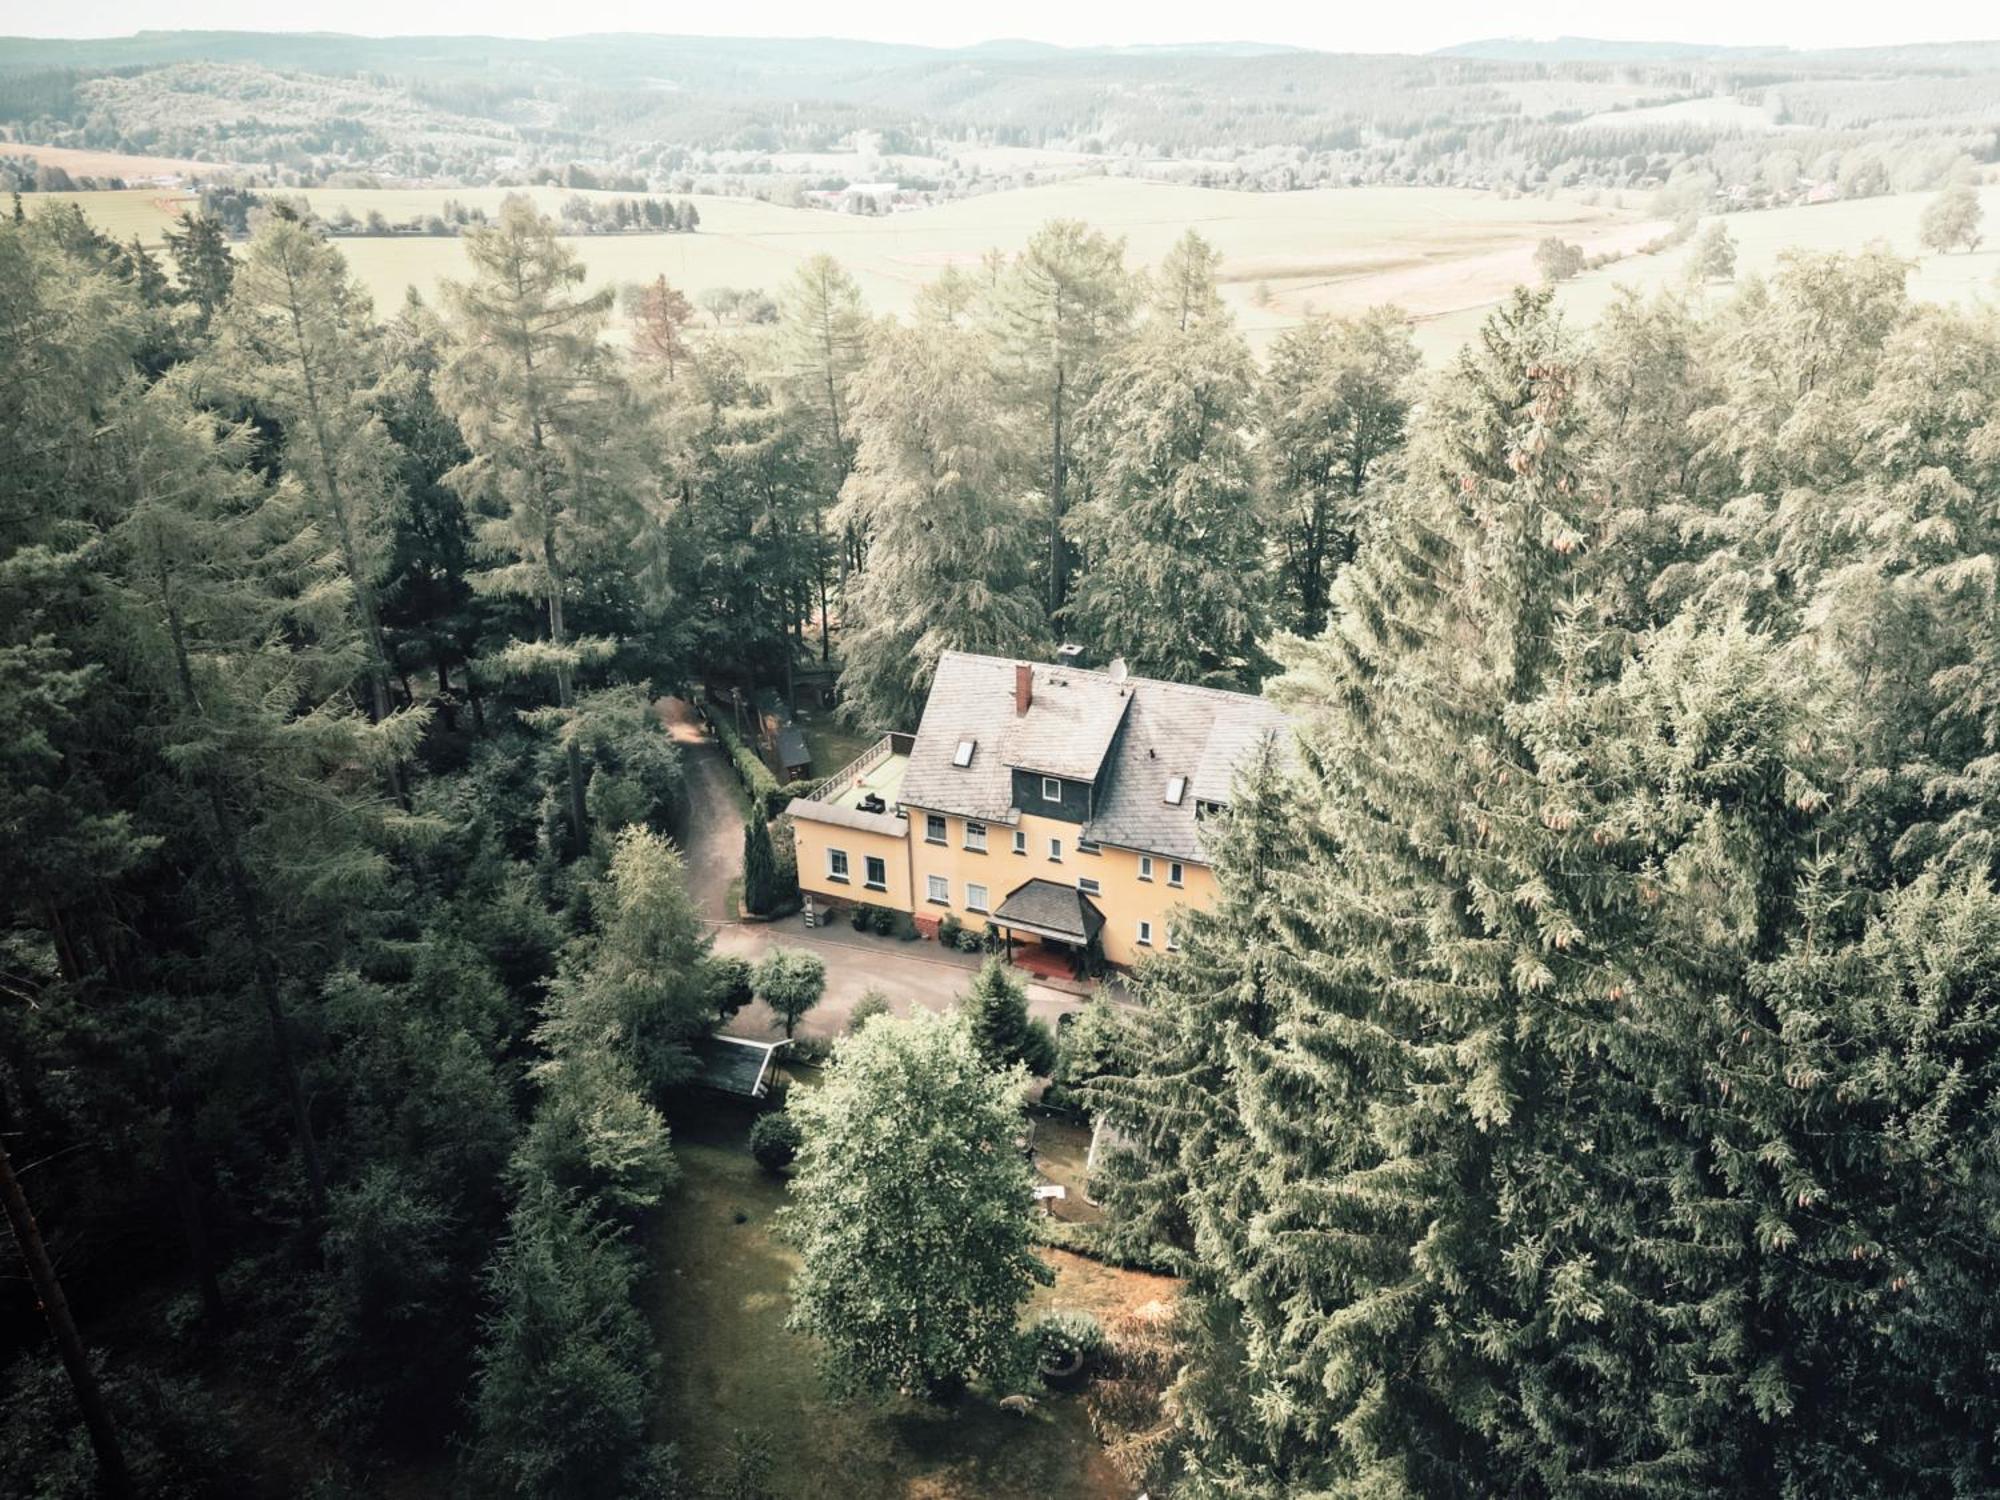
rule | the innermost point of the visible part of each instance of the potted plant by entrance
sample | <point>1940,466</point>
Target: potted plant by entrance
<point>1065,1343</point>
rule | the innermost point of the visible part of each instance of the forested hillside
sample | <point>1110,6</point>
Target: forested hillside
<point>776,118</point>
<point>1586,1082</point>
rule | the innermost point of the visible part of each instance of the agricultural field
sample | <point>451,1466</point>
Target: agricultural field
<point>1285,255</point>
<point>1444,254</point>
<point>1761,238</point>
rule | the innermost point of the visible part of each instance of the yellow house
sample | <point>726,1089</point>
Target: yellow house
<point>1062,806</point>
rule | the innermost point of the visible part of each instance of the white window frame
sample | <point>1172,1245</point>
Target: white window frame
<point>977,897</point>
<point>1145,934</point>
<point>1055,850</point>
<point>1089,885</point>
<point>868,864</point>
<point>1086,846</point>
<point>1051,796</point>
<point>975,836</point>
<point>1145,867</point>
<point>841,872</point>
<point>1173,945</point>
<point>936,821</point>
<point>1176,873</point>
<point>937,890</point>
<point>1020,841</point>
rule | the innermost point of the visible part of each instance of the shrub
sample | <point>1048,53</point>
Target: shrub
<point>813,1051</point>
<point>730,986</point>
<point>749,767</point>
<point>778,798</point>
<point>883,919</point>
<point>774,1140</point>
<point>857,917</point>
<point>872,1004</point>
<point>950,930</point>
<point>1066,1334</point>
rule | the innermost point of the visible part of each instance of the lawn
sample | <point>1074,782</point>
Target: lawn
<point>832,743</point>
<point>728,1364</point>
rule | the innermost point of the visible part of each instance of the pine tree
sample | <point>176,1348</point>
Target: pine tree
<point>1173,536</point>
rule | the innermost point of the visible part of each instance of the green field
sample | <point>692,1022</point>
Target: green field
<point>1445,254</point>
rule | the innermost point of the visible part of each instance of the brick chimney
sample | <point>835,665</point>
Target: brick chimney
<point>1024,686</point>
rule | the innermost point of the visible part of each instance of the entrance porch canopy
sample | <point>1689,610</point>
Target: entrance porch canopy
<point>1045,909</point>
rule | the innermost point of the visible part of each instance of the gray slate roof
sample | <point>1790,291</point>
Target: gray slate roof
<point>1173,729</point>
<point>1049,907</point>
<point>1129,735</point>
<point>972,698</point>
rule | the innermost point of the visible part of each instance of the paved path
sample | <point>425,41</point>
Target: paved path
<point>910,974</point>
<point>712,841</point>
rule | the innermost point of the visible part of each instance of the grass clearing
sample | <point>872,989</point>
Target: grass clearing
<point>728,1364</point>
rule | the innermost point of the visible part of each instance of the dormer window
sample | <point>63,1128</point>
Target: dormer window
<point>1176,790</point>
<point>962,757</point>
<point>1051,789</point>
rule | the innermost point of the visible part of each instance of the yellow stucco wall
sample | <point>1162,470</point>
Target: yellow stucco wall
<point>1123,897</point>
<point>813,840</point>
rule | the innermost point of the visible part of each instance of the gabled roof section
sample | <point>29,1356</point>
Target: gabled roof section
<point>971,698</point>
<point>1071,720</point>
<point>1174,730</point>
<point>1132,736</point>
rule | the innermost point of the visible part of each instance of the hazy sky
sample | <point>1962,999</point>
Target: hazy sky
<point>1362,27</point>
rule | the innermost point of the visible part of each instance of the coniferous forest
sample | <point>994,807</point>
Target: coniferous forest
<point>1586,1082</point>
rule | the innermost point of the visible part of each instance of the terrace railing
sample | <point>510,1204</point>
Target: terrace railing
<point>859,767</point>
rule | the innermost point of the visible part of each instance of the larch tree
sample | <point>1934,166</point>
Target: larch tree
<point>658,334</point>
<point>294,340</point>
<point>1173,538</point>
<point>1336,397</point>
<point>1055,312</point>
<point>823,341</point>
<point>557,453</point>
<point>951,548</point>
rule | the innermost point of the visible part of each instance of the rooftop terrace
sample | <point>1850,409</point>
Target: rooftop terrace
<point>867,788</point>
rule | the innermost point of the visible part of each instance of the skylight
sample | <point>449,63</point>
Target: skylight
<point>963,757</point>
<point>1176,789</point>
